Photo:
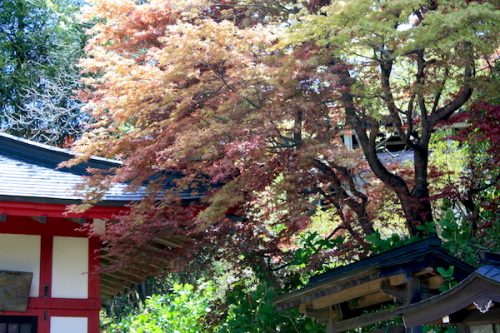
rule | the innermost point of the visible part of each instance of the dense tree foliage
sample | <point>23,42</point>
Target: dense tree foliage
<point>251,104</point>
<point>40,43</point>
<point>252,99</point>
<point>405,66</point>
<point>249,101</point>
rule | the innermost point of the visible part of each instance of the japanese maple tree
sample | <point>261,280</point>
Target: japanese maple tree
<point>405,67</point>
<point>248,100</point>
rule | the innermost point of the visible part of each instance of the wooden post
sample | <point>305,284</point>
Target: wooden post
<point>413,295</point>
<point>330,327</point>
<point>413,290</point>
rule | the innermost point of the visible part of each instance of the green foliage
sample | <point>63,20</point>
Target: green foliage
<point>466,192</point>
<point>453,231</point>
<point>182,310</point>
<point>456,235</point>
<point>439,329</point>
<point>310,244</point>
<point>379,244</point>
<point>353,27</point>
<point>427,228</point>
<point>250,309</point>
<point>448,276</point>
<point>246,307</point>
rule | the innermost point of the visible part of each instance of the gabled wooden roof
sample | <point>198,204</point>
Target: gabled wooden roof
<point>351,296</point>
<point>475,300</point>
<point>405,259</point>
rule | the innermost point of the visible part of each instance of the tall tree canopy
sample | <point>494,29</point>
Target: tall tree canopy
<point>250,99</point>
<point>40,43</point>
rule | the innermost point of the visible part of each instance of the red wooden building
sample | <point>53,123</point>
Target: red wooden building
<point>48,279</point>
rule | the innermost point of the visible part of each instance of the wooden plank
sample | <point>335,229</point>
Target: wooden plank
<point>130,274</point>
<point>112,285</point>
<point>131,269</point>
<point>347,294</point>
<point>144,260</point>
<point>108,287</point>
<point>113,282</point>
<point>364,320</point>
<point>121,277</point>
<point>371,299</point>
<point>434,282</point>
<point>323,315</point>
<point>326,288</point>
<point>399,293</point>
<point>108,290</point>
<point>397,280</point>
<point>336,313</point>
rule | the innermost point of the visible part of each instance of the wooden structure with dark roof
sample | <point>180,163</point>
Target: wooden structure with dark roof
<point>472,303</point>
<point>352,296</point>
<point>50,277</point>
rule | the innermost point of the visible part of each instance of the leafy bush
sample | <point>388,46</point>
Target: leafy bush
<point>181,311</point>
<point>250,310</point>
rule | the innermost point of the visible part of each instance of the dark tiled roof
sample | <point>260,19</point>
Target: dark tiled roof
<point>29,173</point>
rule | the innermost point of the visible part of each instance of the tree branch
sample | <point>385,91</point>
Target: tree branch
<point>358,207</point>
<point>227,85</point>
<point>462,97</point>
<point>420,84</point>
<point>385,74</point>
<point>440,90</point>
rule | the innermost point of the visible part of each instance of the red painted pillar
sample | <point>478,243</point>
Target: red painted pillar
<point>94,282</point>
<point>45,281</point>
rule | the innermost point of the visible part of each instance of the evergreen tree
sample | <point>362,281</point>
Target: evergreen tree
<point>40,43</point>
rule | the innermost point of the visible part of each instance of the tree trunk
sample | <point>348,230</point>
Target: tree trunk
<point>416,205</point>
<point>417,212</point>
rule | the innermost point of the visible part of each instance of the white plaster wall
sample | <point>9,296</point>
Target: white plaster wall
<point>70,265</point>
<point>68,325</point>
<point>21,253</point>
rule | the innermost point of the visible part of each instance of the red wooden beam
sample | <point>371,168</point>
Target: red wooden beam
<point>56,210</point>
